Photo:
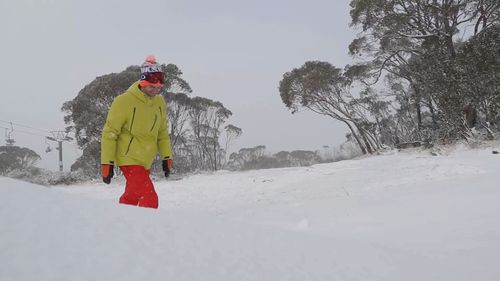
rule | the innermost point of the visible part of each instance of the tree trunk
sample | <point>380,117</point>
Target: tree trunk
<point>448,37</point>
<point>418,99</point>
<point>353,132</point>
<point>470,115</point>
<point>374,141</point>
<point>433,113</point>
<point>215,157</point>
<point>367,143</point>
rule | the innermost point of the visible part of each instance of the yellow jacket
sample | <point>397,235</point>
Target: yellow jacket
<point>136,129</point>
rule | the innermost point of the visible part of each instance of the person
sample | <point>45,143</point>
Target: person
<point>136,129</point>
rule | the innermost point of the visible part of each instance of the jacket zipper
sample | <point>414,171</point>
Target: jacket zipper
<point>129,143</point>
<point>154,123</point>
<point>132,138</point>
<point>132,123</point>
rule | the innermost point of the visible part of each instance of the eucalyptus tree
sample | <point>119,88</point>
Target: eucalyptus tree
<point>479,59</point>
<point>207,118</point>
<point>326,90</point>
<point>16,158</point>
<point>419,41</point>
<point>86,113</point>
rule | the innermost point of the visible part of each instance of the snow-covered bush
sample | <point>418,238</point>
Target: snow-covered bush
<point>346,151</point>
<point>45,177</point>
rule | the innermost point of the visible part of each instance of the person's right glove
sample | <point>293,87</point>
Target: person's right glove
<point>107,171</point>
<point>166,164</point>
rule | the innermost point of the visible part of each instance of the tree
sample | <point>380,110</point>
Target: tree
<point>256,158</point>
<point>16,158</point>
<point>479,59</point>
<point>196,124</point>
<point>488,14</point>
<point>394,29</point>
<point>232,133</point>
<point>325,89</point>
<point>420,41</point>
<point>246,157</point>
<point>207,118</point>
<point>86,113</point>
<point>179,105</point>
<point>304,158</point>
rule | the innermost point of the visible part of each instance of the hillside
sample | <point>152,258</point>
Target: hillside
<point>397,216</point>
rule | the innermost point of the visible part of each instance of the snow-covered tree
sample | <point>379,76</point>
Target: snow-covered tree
<point>16,158</point>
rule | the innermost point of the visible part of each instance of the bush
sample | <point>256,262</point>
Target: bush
<point>45,177</point>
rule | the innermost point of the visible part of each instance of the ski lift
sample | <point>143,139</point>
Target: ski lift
<point>49,148</point>
<point>9,141</point>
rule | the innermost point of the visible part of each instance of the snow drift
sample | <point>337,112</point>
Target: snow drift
<point>399,216</point>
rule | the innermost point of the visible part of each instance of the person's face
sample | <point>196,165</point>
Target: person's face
<point>152,90</point>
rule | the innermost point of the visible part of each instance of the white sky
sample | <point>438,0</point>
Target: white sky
<point>235,52</point>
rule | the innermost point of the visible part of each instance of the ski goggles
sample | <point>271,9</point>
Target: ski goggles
<point>154,77</point>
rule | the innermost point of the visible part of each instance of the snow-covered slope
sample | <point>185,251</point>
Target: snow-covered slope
<point>399,216</point>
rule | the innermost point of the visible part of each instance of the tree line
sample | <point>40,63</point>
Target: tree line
<point>199,132</point>
<point>423,71</point>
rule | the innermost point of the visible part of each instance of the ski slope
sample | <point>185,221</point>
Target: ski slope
<point>397,216</point>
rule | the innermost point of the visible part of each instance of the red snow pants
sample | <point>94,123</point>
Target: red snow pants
<point>139,190</point>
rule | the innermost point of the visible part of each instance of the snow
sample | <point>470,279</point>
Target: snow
<point>397,216</point>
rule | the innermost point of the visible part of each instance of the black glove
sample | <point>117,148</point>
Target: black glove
<point>166,164</point>
<point>107,171</point>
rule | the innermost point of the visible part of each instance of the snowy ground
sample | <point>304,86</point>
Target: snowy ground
<point>400,216</point>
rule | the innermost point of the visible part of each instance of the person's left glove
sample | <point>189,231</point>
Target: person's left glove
<point>166,164</point>
<point>107,171</point>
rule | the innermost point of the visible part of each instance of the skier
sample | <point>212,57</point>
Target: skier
<point>136,129</point>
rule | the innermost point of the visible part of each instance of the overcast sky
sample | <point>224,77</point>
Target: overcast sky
<point>235,52</point>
